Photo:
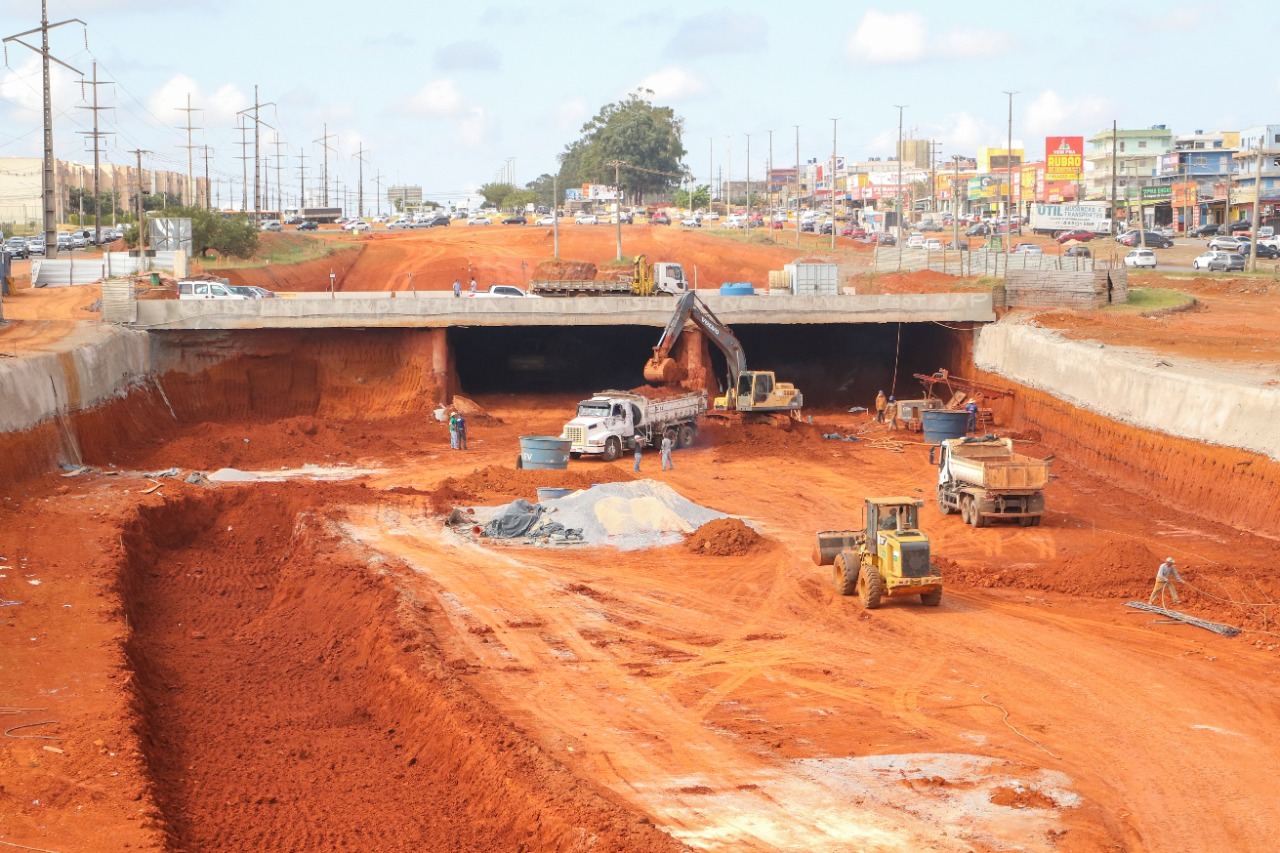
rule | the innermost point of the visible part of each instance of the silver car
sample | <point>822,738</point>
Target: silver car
<point>1219,261</point>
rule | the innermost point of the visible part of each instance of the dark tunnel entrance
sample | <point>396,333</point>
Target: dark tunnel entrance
<point>833,365</point>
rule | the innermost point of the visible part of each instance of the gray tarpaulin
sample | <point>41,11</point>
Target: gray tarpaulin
<point>515,520</point>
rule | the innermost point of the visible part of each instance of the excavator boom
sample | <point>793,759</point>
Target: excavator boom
<point>663,370</point>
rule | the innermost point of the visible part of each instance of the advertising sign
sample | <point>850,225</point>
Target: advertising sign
<point>1053,218</point>
<point>1063,157</point>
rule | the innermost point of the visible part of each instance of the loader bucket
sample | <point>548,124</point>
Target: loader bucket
<point>662,371</point>
<point>831,542</point>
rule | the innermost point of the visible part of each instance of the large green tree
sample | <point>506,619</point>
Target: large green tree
<point>634,132</point>
<point>697,200</point>
<point>211,231</point>
<point>494,193</point>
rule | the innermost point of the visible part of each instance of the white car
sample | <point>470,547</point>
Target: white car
<point>711,216</point>
<point>504,291</point>
<point>356,225</point>
<point>479,220</point>
<point>547,220</point>
<point>1140,258</point>
<point>400,223</point>
<point>933,244</point>
<point>915,241</point>
<point>694,221</point>
<point>587,219</point>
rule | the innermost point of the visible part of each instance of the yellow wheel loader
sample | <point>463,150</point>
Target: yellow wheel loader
<point>889,558</point>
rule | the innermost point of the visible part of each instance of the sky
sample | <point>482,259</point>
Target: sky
<point>449,96</point>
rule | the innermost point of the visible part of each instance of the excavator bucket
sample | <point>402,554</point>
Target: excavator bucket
<point>662,371</point>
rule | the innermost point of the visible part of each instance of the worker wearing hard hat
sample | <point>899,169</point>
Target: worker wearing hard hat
<point>881,403</point>
<point>1166,576</point>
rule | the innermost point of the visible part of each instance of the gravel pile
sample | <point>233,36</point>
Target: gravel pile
<point>630,516</point>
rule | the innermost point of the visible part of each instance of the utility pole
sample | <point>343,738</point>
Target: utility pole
<point>302,180</point>
<point>279,158</point>
<point>797,127</point>
<point>748,225</point>
<point>955,208</point>
<point>377,183</point>
<point>1008,161</point>
<point>95,134</point>
<point>555,216</point>
<point>768,182</point>
<point>1257,208</point>
<point>50,175</point>
<point>1114,168</point>
<point>359,155</point>
<point>142,233</point>
<point>324,174</point>
<point>208,192</point>
<point>711,170</point>
<point>244,167</point>
<point>190,194</point>
<point>900,107</point>
<point>728,183</point>
<point>834,121</point>
<point>617,187</point>
<point>257,152</point>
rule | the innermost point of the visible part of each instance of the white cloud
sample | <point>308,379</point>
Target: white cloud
<point>438,98</point>
<point>218,108</point>
<point>965,133</point>
<point>1049,114</point>
<point>22,83</point>
<point>673,83</point>
<point>571,115</point>
<point>970,43</point>
<point>888,37</point>
<point>475,128</point>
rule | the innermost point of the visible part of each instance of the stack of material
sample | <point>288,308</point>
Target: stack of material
<point>1066,289</point>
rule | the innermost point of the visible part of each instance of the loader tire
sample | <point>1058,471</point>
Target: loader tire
<point>845,572</point>
<point>612,449</point>
<point>872,587</point>
<point>931,599</point>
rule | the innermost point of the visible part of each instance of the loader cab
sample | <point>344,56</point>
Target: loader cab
<point>896,515</point>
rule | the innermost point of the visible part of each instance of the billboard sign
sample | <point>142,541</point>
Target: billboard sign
<point>1063,157</point>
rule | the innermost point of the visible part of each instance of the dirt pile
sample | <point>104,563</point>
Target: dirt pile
<point>723,537</point>
<point>494,483</point>
<point>562,270</point>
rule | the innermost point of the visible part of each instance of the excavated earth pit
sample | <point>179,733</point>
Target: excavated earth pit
<point>308,665</point>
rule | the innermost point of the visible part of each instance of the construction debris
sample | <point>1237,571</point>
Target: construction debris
<point>1215,627</point>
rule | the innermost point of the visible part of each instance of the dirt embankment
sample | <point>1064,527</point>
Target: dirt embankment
<point>306,277</point>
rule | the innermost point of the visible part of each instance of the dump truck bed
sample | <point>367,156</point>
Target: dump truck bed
<point>1007,472</point>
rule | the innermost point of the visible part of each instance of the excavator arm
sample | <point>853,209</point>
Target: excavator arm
<point>663,370</point>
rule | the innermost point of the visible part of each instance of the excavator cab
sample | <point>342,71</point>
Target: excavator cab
<point>760,391</point>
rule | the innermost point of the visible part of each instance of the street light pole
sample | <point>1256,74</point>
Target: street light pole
<point>900,107</point>
<point>797,127</point>
<point>1008,161</point>
<point>617,188</point>
<point>833,183</point>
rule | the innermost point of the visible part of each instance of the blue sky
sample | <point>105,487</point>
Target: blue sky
<point>444,94</point>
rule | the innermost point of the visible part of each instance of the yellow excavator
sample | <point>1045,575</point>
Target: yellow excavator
<point>747,391</point>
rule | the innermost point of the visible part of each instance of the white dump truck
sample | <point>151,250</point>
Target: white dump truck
<point>613,421</point>
<point>982,478</point>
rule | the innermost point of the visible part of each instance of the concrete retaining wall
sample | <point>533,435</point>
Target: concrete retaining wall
<point>1066,289</point>
<point>438,310</point>
<point>1208,403</point>
<point>96,363</point>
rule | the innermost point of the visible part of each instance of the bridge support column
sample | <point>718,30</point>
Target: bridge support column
<point>443,369</point>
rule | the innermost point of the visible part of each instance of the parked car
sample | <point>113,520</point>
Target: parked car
<point>518,219</point>
<point>547,220</point>
<point>962,245</point>
<point>1226,244</point>
<point>981,229</point>
<point>624,218</point>
<point>1151,238</point>
<point>1079,234</point>
<point>355,225</point>
<point>884,238</point>
<point>1077,252</point>
<point>694,221</point>
<point>400,223</point>
<point>1219,261</point>
<point>933,244</point>
<point>915,241</point>
<point>1264,251</point>
<point>308,225</point>
<point>479,220</point>
<point>1141,258</point>
<point>1026,249</point>
<point>271,225</point>
<point>17,246</point>
<point>1240,225</point>
<point>35,245</point>
<point>78,241</point>
<point>660,218</point>
<point>505,291</point>
<point>711,216</point>
<point>1206,230</point>
<point>854,231</point>
<point>929,227</point>
<point>823,227</point>
<point>586,219</point>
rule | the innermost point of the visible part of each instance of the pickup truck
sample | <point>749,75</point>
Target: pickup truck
<point>613,420</point>
<point>982,478</point>
<point>207,290</point>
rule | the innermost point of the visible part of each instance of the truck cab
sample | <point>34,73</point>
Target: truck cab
<point>669,278</point>
<point>602,426</point>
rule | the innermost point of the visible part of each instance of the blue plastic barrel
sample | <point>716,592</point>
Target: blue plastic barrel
<point>737,288</point>
<point>544,451</point>
<point>941,424</point>
<point>545,494</point>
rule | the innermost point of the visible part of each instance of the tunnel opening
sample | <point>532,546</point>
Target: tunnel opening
<point>833,365</point>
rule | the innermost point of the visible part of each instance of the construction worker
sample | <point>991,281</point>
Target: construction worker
<point>881,402</point>
<point>891,413</point>
<point>453,430</point>
<point>1166,576</point>
<point>457,288</point>
<point>473,285</point>
<point>667,444</point>
<point>638,454</point>
<point>972,408</point>
<point>461,426</point>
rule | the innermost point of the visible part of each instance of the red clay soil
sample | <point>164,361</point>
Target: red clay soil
<point>723,537</point>
<point>921,281</point>
<point>306,277</point>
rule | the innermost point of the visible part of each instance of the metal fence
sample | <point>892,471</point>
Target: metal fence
<point>976,263</point>
<point>62,272</point>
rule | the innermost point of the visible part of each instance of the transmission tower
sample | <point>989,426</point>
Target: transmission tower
<point>257,151</point>
<point>95,135</point>
<point>324,174</point>
<point>360,152</point>
<point>189,197</point>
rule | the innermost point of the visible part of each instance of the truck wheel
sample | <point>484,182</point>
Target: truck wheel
<point>966,504</point>
<point>673,434</point>
<point>1027,521</point>
<point>872,587</point>
<point>944,507</point>
<point>687,434</point>
<point>845,571</point>
<point>931,599</point>
<point>1035,520</point>
<point>976,518</point>
<point>575,456</point>
<point>612,449</point>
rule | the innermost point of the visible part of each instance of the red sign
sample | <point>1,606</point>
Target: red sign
<point>1063,157</point>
